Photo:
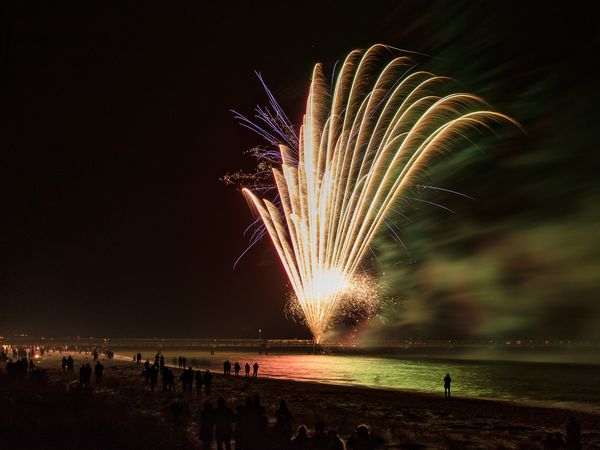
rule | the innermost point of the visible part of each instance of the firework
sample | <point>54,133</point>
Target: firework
<point>361,144</point>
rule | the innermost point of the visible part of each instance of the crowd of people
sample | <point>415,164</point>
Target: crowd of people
<point>189,377</point>
<point>237,368</point>
<point>248,427</point>
<point>22,367</point>
<point>23,364</point>
<point>85,373</point>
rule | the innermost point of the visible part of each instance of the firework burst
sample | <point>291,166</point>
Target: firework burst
<point>362,143</point>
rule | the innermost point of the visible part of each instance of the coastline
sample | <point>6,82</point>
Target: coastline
<point>571,406</point>
<point>400,417</point>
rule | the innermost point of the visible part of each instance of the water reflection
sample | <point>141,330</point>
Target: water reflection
<point>511,380</point>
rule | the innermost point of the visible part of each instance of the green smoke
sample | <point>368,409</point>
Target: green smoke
<point>522,258</point>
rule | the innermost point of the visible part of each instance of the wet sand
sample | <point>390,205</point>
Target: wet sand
<point>404,419</point>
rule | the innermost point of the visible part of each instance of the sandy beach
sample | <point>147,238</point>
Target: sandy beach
<point>404,419</point>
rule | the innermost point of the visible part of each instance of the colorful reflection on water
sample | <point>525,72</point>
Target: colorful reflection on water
<point>558,383</point>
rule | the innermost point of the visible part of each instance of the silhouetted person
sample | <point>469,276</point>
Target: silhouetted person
<point>168,378</point>
<point>207,378</point>
<point>223,425</point>
<point>64,365</point>
<point>70,365</point>
<point>551,442</point>
<point>257,406</point>
<point>153,375</point>
<point>161,363</point>
<point>335,443</point>
<point>247,370</point>
<point>165,379</point>
<point>255,371</point>
<point>171,381</point>
<point>156,359</point>
<point>146,372</point>
<point>227,368</point>
<point>183,361</point>
<point>206,425</point>
<point>238,434</point>
<point>179,362</point>
<point>98,369</point>
<point>22,372</point>
<point>360,440</point>
<point>283,410</point>
<point>198,377</point>
<point>249,422</point>
<point>236,368</point>
<point>447,381</point>
<point>82,375</point>
<point>179,411</point>
<point>138,358</point>
<point>300,441</point>
<point>319,439</point>
<point>573,435</point>
<point>282,432</point>
<point>189,380</point>
<point>88,373</point>
<point>184,381</point>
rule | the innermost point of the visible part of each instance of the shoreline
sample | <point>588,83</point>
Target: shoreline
<point>573,406</point>
<point>402,418</point>
<point>403,415</point>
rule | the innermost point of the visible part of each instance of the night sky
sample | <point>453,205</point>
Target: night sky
<point>116,128</point>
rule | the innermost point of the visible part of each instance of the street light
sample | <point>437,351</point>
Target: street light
<point>259,334</point>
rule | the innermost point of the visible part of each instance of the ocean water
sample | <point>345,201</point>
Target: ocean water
<point>557,383</point>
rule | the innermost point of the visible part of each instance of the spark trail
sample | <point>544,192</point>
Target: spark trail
<point>360,146</point>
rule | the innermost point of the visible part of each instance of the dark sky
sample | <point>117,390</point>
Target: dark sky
<point>116,127</point>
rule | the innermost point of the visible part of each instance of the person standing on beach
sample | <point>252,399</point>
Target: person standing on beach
<point>138,358</point>
<point>153,375</point>
<point>82,375</point>
<point>207,381</point>
<point>301,440</point>
<point>247,370</point>
<point>223,419</point>
<point>206,425</point>
<point>237,368</point>
<point>447,381</point>
<point>98,369</point>
<point>573,435</point>
<point>198,376</point>
<point>146,372</point>
<point>70,364</point>
<point>255,372</point>
<point>190,379</point>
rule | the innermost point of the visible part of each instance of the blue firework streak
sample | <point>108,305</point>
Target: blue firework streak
<point>273,125</point>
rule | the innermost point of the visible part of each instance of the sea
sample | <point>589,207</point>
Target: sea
<point>556,383</point>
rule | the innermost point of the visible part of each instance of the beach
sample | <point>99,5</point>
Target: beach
<point>403,419</point>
